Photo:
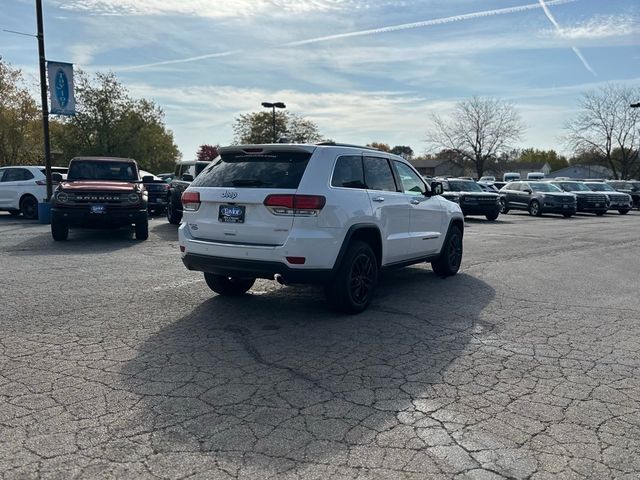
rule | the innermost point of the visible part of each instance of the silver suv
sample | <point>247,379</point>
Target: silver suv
<point>329,214</point>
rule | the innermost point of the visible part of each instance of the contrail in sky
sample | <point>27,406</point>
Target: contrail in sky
<point>374,31</point>
<point>547,12</point>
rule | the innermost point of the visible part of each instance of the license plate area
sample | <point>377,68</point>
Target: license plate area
<point>231,214</point>
<point>98,209</point>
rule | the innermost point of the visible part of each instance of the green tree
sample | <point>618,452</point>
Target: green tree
<point>404,151</point>
<point>109,122</point>
<point>257,127</point>
<point>533,155</point>
<point>21,137</point>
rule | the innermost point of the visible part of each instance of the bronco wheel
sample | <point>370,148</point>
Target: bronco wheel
<point>59,230</point>
<point>623,211</point>
<point>567,215</point>
<point>29,207</point>
<point>142,230</point>
<point>351,291</point>
<point>448,263</point>
<point>229,286</point>
<point>534,208</point>
<point>492,216</point>
<point>503,206</point>
<point>173,216</point>
<point>601,212</point>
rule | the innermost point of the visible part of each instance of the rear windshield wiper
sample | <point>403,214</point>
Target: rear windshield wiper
<point>249,183</point>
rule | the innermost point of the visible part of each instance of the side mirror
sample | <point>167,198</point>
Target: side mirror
<point>528,190</point>
<point>56,177</point>
<point>187,178</point>
<point>436,188</point>
<point>147,179</point>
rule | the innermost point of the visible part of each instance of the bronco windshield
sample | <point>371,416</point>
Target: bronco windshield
<point>102,170</point>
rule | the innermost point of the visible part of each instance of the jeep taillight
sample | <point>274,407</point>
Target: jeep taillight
<point>300,205</point>
<point>191,201</point>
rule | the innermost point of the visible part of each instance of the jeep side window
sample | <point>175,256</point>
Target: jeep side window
<point>377,174</point>
<point>348,172</point>
<point>410,181</point>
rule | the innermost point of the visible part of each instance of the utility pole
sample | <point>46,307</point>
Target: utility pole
<point>45,101</point>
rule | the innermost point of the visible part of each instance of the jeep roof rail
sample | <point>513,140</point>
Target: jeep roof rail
<point>337,144</point>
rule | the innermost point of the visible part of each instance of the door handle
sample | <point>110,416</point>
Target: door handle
<point>378,199</point>
<point>415,202</point>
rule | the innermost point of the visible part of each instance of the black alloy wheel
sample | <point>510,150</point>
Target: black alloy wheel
<point>503,206</point>
<point>352,289</point>
<point>451,255</point>
<point>172,216</point>
<point>29,207</point>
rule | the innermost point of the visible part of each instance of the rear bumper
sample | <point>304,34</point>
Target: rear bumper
<point>81,217</point>
<point>245,268</point>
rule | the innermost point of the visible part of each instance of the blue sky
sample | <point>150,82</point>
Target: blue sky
<point>363,70</point>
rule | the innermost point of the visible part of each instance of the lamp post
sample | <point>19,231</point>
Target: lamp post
<point>43,96</point>
<point>273,107</point>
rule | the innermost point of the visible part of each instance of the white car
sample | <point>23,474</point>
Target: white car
<point>22,187</point>
<point>329,214</point>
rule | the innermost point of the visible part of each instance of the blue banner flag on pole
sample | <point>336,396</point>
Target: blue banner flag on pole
<point>61,88</point>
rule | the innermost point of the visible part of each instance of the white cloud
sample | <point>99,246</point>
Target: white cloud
<point>215,9</point>
<point>601,27</point>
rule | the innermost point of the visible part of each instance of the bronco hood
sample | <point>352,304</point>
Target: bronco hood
<point>84,185</point>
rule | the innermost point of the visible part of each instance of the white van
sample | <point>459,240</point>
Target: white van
<point>535,176</point>
<point>511,177</point>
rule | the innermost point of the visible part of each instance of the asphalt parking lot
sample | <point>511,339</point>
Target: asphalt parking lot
<point>117,362</point>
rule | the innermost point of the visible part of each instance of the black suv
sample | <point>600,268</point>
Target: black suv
<point>473,200</point>
<point>536,198</point>
<point>183,175</point>
<point>587,200</point>
<point>631,187</point>
<point>100,192</point>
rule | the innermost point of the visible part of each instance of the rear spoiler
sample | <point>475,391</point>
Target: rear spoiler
<point>268,147</point>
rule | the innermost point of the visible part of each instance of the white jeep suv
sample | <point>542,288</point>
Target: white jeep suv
<point>329,214</point>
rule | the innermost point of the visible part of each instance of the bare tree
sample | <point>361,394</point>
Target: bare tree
<point>478,130</point>
<point>609,126</point>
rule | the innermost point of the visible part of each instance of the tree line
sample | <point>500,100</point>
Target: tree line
<point>108,122</point>
<point>478,135</point>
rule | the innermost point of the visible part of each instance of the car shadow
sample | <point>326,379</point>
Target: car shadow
<point>80,242</point>
<point>275,376</point>
<point>164,230</point>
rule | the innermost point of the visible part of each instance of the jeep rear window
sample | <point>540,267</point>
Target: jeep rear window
<point>241,169</point>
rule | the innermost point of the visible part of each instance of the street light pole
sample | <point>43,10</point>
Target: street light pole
<point>273,107</point>
<point>43,94</point>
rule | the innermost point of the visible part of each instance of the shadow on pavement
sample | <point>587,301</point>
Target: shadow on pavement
<point>164,230</point>
<point>275,377</point>
<point>80,242</point>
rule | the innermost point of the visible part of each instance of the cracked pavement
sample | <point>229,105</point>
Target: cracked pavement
<point>117,362</point>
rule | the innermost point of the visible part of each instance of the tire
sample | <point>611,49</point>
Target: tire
<point>173,217</point>
<point>14,213</point>
<point>352,289</point>
<point>503,206</point>
<point>29,207</point>
<point>623,211</point>
<point>228,286</point>
<point>59,231</point>
<point>142,230</point>
<point>601,212</point>
<point>534,208</point>
<point>567,215</point>
<point>448,263</point>
<point>492,216</point>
